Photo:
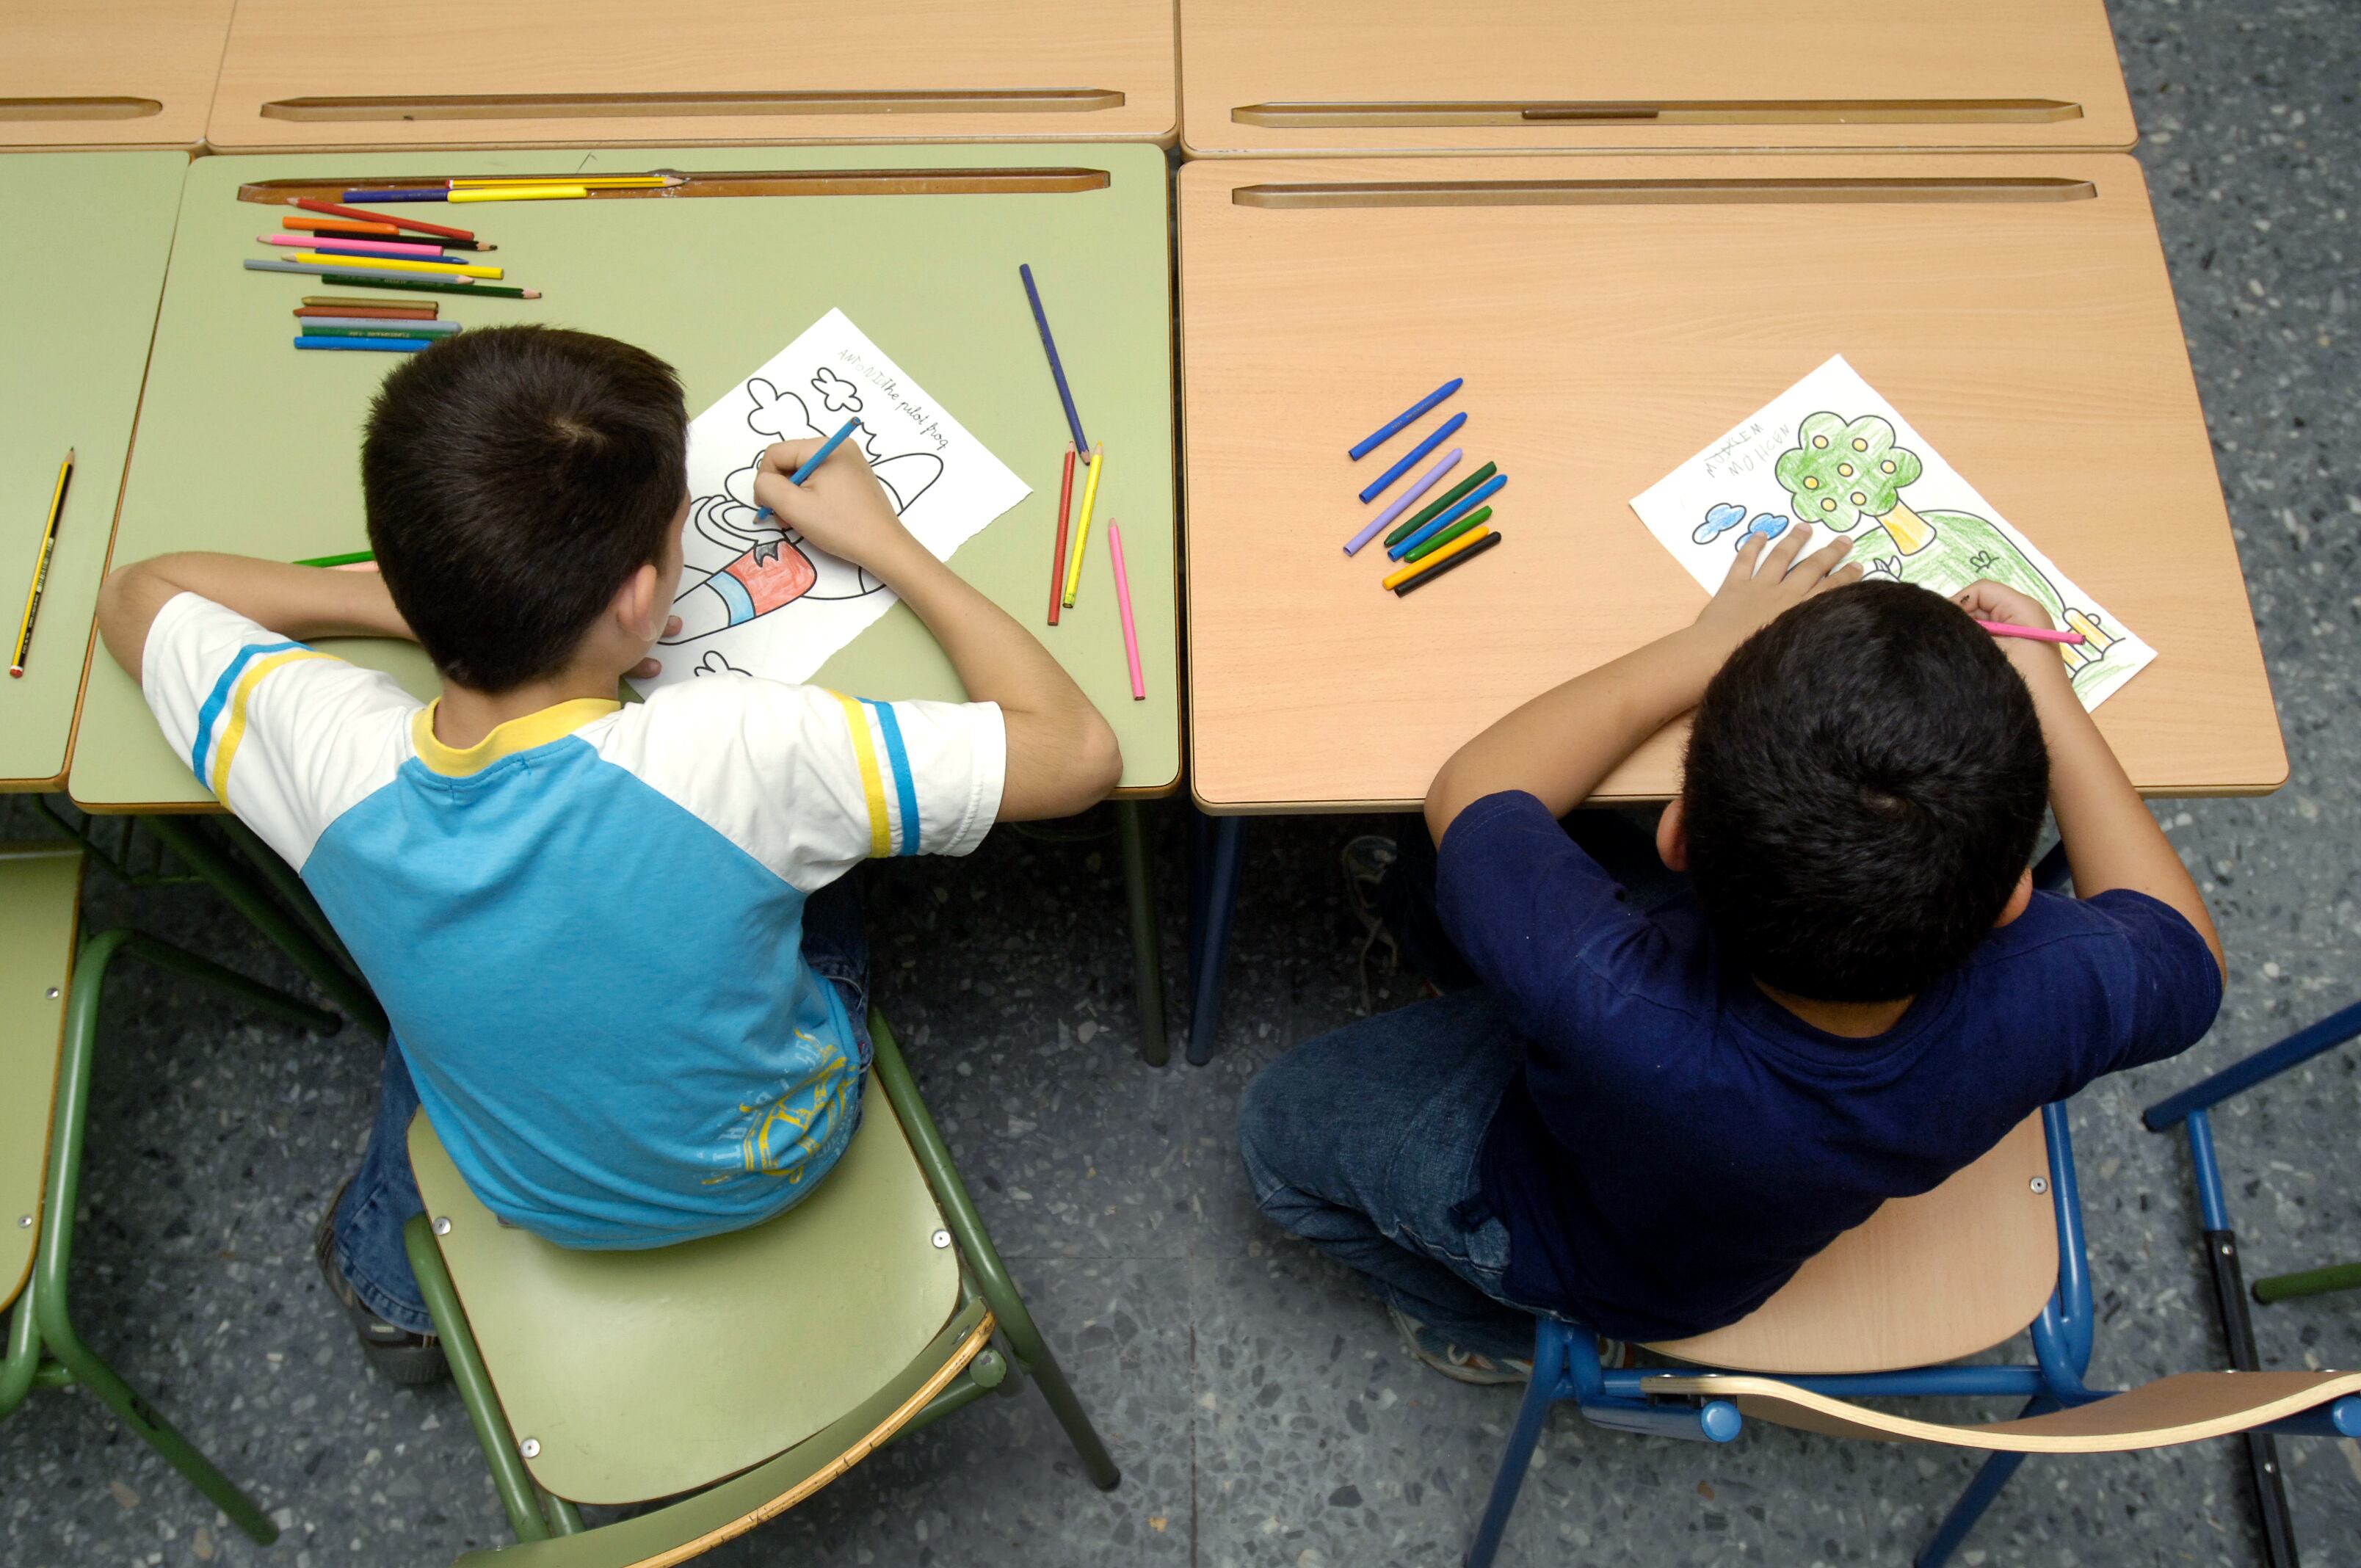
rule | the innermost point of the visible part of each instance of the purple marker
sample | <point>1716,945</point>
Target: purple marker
<point>1425,483</point>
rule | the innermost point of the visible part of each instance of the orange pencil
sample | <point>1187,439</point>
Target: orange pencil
<point>1057,557</point>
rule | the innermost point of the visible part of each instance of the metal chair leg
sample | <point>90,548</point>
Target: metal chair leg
<point>1543,1391</point>
<point>1210,938</point>
<point>519,1495</point>
<point>1146,936</point>
<point>1990,1477</point>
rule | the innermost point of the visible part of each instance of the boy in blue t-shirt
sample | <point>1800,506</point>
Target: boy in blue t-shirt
<point>619,982</point>
<point>1646,1121</point>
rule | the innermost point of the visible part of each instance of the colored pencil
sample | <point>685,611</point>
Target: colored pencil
<point>381,344</point>
<point>1437,564</point>
<point>521,193</point>
<point>592,182</point>
<point>349,227</point>
<point>1049,346</point>
<point>812,463</point>
<point>1082,526</point>
<point>1473,520</point>
<point>369,304</point>
<point>1123,607</point>
<point>416,326</point>
<point>41,566</point>
<point>1395,425</point>
<point>375,329</point>
<point>2032,633</point>
<point>1058,551</point>
<point>343,279</point>
<point>333,211</point>
<point>1394,579</point>
<point>1435,508</point>
<point>383,264</point>
<point>1394,508</point>
<point>398,251</point>
<point>1416,454</point>
<point>1449,516</point>
<point>349,558</point>
<point>426,193</point>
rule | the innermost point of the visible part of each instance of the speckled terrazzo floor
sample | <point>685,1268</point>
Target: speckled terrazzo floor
<point>1263,1412</point>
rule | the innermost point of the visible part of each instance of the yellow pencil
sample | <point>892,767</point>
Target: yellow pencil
<point>1082,527</point>
<point>521,194</point>
<point>41,565</point>
<point>388,264</point>
<point>1427,564</point>
<point>590,181</point>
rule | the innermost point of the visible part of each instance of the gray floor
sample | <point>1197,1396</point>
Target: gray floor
<point>1262,1411</point>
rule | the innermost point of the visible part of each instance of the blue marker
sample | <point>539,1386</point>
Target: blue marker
<point>1414,455</point>
<point>1395,425</point>
<point>367,345</point>
<point>815,459</point>
<point>1460,508</point>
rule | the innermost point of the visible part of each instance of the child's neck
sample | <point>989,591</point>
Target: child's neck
<point>1853,1020</point>
<point>463,716</point>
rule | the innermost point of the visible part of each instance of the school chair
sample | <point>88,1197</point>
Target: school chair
<point>1924,1281</point>
<point>2193,1108</point>
<point>48,1032</point>
<point>749,1369</point>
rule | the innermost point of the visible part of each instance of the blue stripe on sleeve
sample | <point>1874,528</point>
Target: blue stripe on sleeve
<point>219,699</point>
<point>905,788</point>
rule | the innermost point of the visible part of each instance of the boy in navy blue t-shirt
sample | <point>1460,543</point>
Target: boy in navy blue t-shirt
<point>1646,1121</point>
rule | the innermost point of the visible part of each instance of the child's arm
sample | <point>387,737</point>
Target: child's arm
<point>1062,757</point>
<point>1560,745</point>
<point>297,602</point>
<point>2110,840</point>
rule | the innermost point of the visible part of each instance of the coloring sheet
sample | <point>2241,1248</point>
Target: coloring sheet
<point>754,596</point>
<point>1830,451</point>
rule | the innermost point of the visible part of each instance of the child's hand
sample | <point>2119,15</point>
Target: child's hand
<point>841,508</point>
<point>1767,580</point>
<point>1988,600</point>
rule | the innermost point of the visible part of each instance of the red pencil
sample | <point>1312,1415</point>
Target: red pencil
<point>333,211</point>
<point>1058,559</point>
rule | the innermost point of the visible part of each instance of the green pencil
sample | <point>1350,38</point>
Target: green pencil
<point>309,331</point>
<point>1471,520</point>
<point>1433,510</point>
<point>427,285</point>
<point>349,558</point>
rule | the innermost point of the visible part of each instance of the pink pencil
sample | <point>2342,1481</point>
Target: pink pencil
<point>1123,607</point>
<point>2030,634</point>
<point>391,248</point>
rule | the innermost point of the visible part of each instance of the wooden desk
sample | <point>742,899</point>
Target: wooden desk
<point>1368,77</point>
<point>388,73</point>
<point>1611,316</point>
<point>73,346</point>
<point>249,445</point>
<point>108,72</point>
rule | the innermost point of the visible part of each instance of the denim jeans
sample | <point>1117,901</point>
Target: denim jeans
<point>1363,1142</point>
<point>383,1194</point>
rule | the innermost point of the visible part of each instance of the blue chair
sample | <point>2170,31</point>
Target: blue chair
<point>2190,1109</point>
<point>1926,1280</point>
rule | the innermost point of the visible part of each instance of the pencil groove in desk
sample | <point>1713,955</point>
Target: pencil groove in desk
<point>629,106</point>
<point>1343,193</point>
<point>1016,181</point>
<point>1341,114</point>
<point>79,108</point>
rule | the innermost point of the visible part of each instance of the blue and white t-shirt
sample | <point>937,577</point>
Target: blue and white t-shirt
<point>587,928</point>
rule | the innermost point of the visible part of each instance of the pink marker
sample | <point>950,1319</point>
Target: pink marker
<point>391,249</point>
<point>1123,607</point>
<point>2030,634</point>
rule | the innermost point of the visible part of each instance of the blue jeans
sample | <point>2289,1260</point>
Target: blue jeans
<point>1364,1143</point>
<point>383,1194</point>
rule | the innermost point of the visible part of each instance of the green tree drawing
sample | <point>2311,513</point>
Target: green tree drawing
<point>1839,472</point>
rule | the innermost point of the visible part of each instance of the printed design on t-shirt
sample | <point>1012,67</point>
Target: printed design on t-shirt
<point>779,1135</point>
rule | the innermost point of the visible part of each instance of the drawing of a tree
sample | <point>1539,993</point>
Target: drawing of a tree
<point>1839,472</point>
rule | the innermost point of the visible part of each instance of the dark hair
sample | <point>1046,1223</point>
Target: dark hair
<point>515,478</point>
<point>1864,784</point>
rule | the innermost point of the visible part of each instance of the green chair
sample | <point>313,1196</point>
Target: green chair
<point>748,1370</point>
<point>49,1030</point>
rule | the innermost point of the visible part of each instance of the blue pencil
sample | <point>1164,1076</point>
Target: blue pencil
<point>1056,371</point>
<point>815,460</point>
<point>1414,455</point>
<point>381,345</point>
<point>1458,509</point>
<point>433,193</point>
<point>1394,426</point>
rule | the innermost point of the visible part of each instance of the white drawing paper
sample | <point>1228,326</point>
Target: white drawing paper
<point>1831,452</point>
<point>755,597</point>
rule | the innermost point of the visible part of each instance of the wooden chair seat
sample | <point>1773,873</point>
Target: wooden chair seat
<point>40,894</point>
<point>629,1375</point>
<point>1923,1281</point>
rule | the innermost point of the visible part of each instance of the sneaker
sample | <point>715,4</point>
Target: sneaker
<point>399,1356</point>
<point>1458,1365</point>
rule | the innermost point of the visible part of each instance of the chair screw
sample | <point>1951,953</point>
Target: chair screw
<point>24,1221</point>
<point>52,993</point>
<point>2040,1184</point>
<point>529,1448</point>
<point>442,1225</point>
<point>942,1239</point>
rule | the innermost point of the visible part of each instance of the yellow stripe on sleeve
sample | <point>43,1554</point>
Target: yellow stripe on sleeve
<point>235,730</point>
<point>872,783</point>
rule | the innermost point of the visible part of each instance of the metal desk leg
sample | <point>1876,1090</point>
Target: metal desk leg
<point>1216,842</point>
<point>1146,936</point>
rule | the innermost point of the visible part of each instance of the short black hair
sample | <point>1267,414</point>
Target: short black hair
<point>1865,783</point>
<point>515,477</point>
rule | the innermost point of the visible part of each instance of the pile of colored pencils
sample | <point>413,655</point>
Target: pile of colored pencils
<point>365,321</point>
<point>1447,533</point>
<point>352,249</point>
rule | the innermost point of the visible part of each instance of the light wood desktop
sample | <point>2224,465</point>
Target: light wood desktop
<point>108,72</point>
<point>1612,316</point>
<point>246,444</point>
<point>1368,77</point>
<point>389,73</point>
<point>72,350</point>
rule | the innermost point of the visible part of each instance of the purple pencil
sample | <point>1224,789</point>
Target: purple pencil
<point>1425,483</point>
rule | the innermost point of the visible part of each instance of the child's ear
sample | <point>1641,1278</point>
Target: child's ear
<point>2019,897</point>
<point>1671,837</point>
<point>635,605</point>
